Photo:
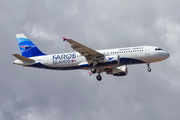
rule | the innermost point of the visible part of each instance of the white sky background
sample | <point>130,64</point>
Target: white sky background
<point>35,94</point>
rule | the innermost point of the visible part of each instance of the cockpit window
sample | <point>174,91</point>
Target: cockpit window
<point>159,49</point>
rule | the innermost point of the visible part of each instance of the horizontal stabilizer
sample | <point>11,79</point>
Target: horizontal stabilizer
<point>22,58</point>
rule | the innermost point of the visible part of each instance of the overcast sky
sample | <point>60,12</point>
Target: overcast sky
<point>35,94</point>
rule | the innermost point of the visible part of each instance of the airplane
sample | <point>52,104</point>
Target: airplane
<point>112,61</point>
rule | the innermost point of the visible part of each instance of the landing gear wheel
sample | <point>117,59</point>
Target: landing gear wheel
<point>98,77</point>
<point>93,70</point>
<point>149,69</point>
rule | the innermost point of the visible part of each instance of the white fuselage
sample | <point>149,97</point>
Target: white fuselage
<point>73,60</point>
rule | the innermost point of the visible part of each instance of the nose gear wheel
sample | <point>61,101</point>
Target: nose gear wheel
<point>149,69</point>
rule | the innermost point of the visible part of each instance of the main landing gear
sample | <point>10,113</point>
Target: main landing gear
<point>93,70</point>
<point>98,77</point>
<point>149,69</point>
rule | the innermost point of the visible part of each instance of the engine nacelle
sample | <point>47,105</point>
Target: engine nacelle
<point>118,71</point>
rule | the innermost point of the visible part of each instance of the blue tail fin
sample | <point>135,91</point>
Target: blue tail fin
<point>27,48</point>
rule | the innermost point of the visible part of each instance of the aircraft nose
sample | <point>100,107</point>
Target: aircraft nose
<point>166,55</point>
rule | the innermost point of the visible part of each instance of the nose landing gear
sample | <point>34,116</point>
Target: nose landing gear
<point>149,69</point>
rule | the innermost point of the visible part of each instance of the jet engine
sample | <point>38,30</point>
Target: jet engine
<point>118,71</point>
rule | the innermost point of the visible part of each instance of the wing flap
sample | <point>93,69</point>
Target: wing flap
<point>22,58</point>
<point>85,51</point>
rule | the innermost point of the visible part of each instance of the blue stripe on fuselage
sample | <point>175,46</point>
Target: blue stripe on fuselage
<point>128,61</point>
<point>123,61</point>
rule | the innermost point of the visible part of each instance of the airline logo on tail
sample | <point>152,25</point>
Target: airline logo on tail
<point>26,47</point>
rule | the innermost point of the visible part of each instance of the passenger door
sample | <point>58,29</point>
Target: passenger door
<point>147,50</point>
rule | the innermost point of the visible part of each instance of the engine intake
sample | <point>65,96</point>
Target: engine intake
<point>118,71</point>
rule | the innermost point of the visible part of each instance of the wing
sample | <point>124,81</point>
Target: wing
<point>92,56</point>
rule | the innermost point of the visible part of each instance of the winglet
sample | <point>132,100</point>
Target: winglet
<point>64,39</point>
